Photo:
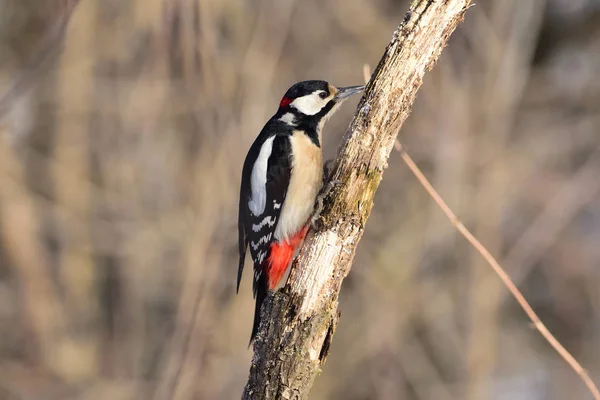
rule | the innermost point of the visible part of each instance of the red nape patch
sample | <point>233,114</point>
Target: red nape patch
<point>281,255</point>
<point>285,102</point>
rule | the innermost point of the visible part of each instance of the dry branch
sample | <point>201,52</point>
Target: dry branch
<point>510,285</point>
<point>43,53</point>
<point>299,321</point>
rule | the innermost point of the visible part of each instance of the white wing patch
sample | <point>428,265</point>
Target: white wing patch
<point>258,179</point>
<point>268,220</point>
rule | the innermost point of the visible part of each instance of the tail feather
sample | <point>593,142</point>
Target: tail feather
<point>240,269</point>
<point>261,294</point>
<point>281,253</point>
<point>242,245</point>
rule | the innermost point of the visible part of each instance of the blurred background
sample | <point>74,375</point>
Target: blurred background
<point>123,128</point>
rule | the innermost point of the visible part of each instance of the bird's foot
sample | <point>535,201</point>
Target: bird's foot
<point>327,169</point>
<point>316,220</point>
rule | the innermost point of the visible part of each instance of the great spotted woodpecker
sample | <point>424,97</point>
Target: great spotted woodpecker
<point>281,178</point>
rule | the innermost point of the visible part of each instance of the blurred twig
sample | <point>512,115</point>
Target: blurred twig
<point>558,212</point>
<point>43,53</point>
<point>19,229</point>
<point>573,363</point>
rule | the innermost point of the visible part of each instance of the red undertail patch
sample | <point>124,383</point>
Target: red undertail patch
<point>281,255</point>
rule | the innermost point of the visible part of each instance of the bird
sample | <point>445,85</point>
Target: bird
<point>282,175</point>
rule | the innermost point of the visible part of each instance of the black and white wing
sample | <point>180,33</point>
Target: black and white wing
<point>267,174</point>
<point>266,177</point>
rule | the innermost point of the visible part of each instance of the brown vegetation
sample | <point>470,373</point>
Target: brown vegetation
<point>119,170</point>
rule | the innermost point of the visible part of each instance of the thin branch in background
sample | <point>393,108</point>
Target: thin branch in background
<point>537,323</point>
<point>43,53</point>
<point>582,187</point>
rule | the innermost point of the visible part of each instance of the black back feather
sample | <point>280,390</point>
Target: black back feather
<point>254,230</point>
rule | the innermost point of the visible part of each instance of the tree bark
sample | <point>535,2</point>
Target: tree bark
<point>298,321</point>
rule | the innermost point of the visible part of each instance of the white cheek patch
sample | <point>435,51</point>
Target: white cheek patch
<point>310,104</point>
<point>258,179</point>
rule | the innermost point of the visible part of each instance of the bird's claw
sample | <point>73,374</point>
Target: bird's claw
<point>327,170</point>
<point>331,184</point>
<point>316,220</point>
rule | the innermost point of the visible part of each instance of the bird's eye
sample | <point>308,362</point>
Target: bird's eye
<point>323,94</point>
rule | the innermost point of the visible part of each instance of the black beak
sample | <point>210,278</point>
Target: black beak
<point>345,92</point>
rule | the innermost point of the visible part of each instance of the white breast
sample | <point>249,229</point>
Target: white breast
<point>305,183</point>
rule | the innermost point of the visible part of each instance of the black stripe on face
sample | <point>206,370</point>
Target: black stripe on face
<point>325,110</point>
<point>310,124</point>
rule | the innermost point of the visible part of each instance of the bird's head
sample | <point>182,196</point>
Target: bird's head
<point>313,101</point>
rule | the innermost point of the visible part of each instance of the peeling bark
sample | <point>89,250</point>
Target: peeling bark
<point>298,322</point>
